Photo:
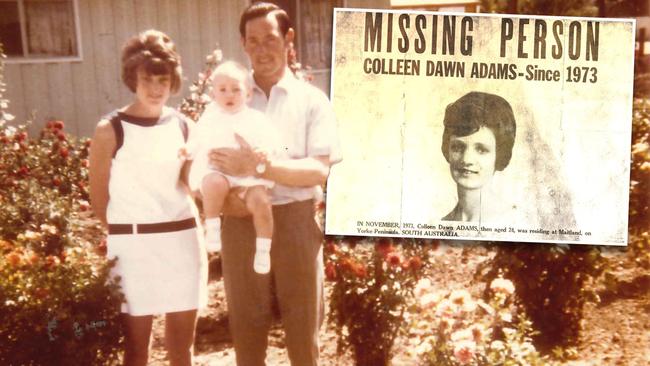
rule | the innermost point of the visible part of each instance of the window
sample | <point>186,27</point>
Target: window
<point>39,30</point>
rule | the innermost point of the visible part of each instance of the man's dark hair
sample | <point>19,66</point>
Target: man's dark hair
<point>262,9</point>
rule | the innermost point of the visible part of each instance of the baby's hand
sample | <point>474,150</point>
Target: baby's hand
<point>183,154</point>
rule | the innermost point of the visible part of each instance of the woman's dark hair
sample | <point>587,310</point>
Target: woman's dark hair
<point>262,9</point>
<point>155,53</point>
<point>475,110</point>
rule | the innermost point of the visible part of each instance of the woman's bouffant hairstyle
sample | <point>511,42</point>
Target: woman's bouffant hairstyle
<point>475,110</point>
<point>155,53</point>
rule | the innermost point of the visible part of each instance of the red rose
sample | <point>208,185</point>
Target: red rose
<point>33,259</point>
<point>348,265</point>
<point>415,263</point>
<point>21,136</point>
<point>101,248</point>
<point>58,125</point>
<point>52,261</point>
<point>14,259</point>
<point>56,181</point>
<point>360,271</point>
<point>393,259</point>
<point>384,246</point>
<point>23,171</point>
<point>64,152</point>
<point>330,271</point>
<point>332,248</point>
<point>60,136</point>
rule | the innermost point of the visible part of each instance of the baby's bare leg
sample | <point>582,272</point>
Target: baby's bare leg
<point>258,203</point>
<point>214,189</point>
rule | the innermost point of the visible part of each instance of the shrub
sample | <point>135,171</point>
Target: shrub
<point>451,328</point>
<point>640,169</point>
<point>639,220</point>
<point>551,282</point>
<point>371,290</point>
<point>57,310</point>
<point>57,303</point>
<point>194,104</point>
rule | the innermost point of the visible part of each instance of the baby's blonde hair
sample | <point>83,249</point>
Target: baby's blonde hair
<point>231,69</point>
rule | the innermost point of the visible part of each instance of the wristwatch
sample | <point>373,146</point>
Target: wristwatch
<point>261,168</point>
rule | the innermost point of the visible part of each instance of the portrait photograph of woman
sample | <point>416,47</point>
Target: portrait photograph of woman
<point>481,157</point>
<point>477,143</point>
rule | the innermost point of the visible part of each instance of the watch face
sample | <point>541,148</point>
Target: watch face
<point>260,168</point>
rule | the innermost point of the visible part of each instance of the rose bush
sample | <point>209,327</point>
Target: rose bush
<point>451,328</point>
<point>552,284</point>
<point>57,303</point>
<point>372,287</point>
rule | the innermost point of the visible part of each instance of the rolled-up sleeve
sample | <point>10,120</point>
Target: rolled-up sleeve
<point>322,135</point>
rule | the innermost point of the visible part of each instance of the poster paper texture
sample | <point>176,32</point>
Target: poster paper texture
<point>485,127</point>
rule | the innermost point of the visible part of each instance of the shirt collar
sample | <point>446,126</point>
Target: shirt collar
<point>285,83</point>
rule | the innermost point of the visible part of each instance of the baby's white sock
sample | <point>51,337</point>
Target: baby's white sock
<point>213,234</point>
<point>262,262</point>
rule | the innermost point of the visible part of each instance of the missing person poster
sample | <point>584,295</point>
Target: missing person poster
<point>485,127</point>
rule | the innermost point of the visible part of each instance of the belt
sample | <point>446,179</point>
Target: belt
<point>158,227</point>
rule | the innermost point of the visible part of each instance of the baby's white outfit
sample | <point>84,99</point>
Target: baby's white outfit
<point>216,129</point>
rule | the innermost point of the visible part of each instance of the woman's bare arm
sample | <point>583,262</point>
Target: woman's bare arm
<point>101,154</point>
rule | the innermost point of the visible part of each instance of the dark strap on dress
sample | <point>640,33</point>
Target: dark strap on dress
<point>119,133</point>
<point>116,122</point>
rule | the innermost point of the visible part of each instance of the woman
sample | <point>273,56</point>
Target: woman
<point>138,191</point>
<point>477,141</point>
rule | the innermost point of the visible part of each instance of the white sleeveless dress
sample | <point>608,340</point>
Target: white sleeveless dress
<point>160,272</point>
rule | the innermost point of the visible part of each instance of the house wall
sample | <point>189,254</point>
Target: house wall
<point>79,93</point>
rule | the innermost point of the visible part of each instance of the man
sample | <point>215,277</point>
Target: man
<point>305,120</point>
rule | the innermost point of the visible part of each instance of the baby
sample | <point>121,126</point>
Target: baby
<point>226,116</point>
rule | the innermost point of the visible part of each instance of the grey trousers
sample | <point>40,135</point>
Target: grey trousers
<point>296,280</point>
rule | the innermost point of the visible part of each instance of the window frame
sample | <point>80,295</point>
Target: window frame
<point>44,59</point>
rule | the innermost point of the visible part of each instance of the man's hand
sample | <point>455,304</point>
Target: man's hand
<point>236,162</point>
